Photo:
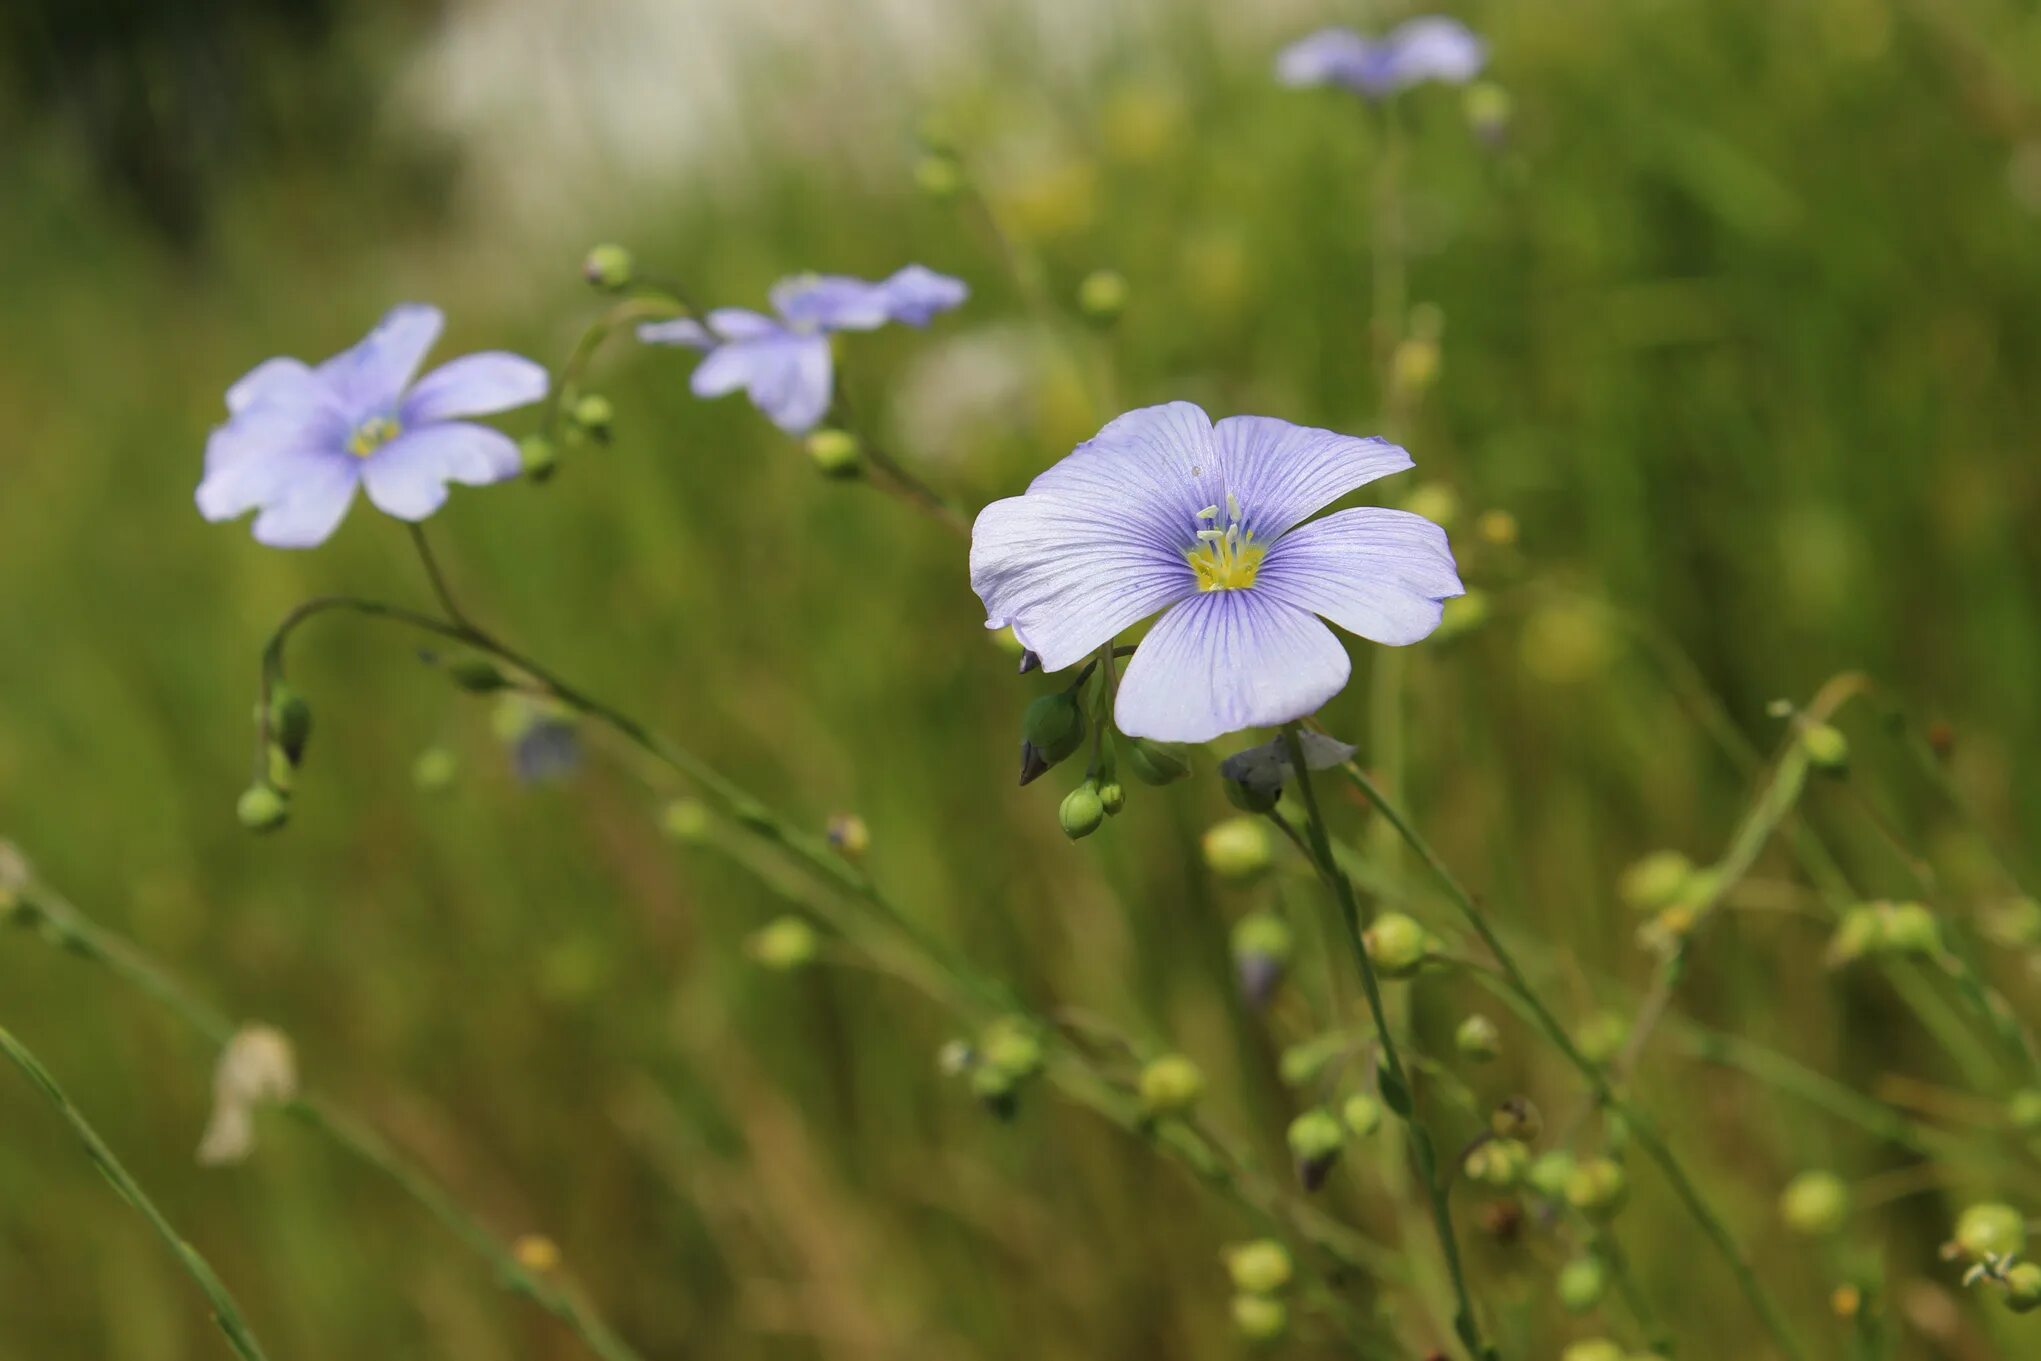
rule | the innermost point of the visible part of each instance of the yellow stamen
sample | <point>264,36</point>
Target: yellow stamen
<point>1225,559</point>
<point>372,434</point>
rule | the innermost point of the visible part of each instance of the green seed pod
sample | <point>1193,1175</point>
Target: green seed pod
<point>1315,1139</point>
<point>1582,1283</point>
<point>596,417</point>
<point>784,944</point>
<point>1102,297</point>
<point>1655,881</point>
<point>836,453</point>
<point>537,456</point>
<point>290,722</point>
<point>1171,1085</point>
<point>1259,1268</point>
<point>1238,849</point>
<point>608,267</point>
<point>262,808</point>
<point>434,770</point>
<point>1362,1113</point>
<point>476,675</point>
<point>1082,812</point>
<point>1826,747</point>
<point>1598,1188</point>
<point>1549,1174</point>
<point>1396,944</point>
<point>2023,1287</point>
<point>1052,728</point>
<point>1991,1229</point>
<point>1258,1318</point>
<point>1478,1039</point>
<point>1815,1203</point>
<point>1156,763</point>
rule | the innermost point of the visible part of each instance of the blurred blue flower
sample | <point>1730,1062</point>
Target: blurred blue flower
<point>1163,510</point>
<point>783,363</point>
<point>1432,48</point>
<point>298,440</point>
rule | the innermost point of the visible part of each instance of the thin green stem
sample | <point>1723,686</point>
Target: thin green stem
<point>1402,1099</point>
<point>226,1312</point>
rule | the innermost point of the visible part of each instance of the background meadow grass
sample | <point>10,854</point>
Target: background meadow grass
<point>1741,326</point>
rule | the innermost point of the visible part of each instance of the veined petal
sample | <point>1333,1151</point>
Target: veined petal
<point>370,378</point>
<point>1383,574</point>
<point>1145,476</point>
<point>1434,48</point>
<point>408,476</point>
<point>1226,660</point>
<point>474,385</point>
<point>916,294</point>
<point>1065,579</point>
<point>831,302</point>
<point>1331,56</point>
<point>1282,473</point>
<point>313,508</point>
<point>679,331</point>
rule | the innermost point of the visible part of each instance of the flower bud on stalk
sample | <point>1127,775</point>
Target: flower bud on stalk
<point>836,454</point>
<point>2022,1281</point>
<point>1478,1039</point>
<point>1239,849</point>
<point>1259,1318</point>
<point>1051,730</point>
<point>1315,1140</point>
<point>1582,1283</point>
<point>1550,1173</point>
<point>784,944</point>
<point>1102,297</point>
<point>1990,1229</point>
<point>1815,1203</point>
<point>1500,1163</point>
<point>1396,944</point>
<point>262,808</point>
<point>595,417</point>
<point>1082,811</point>
<point>1171,1085</point>
<point>434,770</point>
<point>608,267</point>
<point>850,836</point>
<point>1262,943</point>
<point>1259,1268</point>
<point>290,722</point>
<point>1516,1118</point>
<point>1826,747</point>
<point>1598,1188</point>
<point>538,457</point>
<point>1112,796</point>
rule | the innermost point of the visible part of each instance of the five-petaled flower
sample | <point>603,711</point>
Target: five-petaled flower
<point>1431,48</point>
<point>783,363</point>
<point>298,440</point>
<point>1163,510</point>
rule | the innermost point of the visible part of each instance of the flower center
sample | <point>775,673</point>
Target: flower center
<point>372,434</point>
<point>1225,559</point>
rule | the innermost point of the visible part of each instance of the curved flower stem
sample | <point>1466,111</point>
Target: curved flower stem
<point>656,304</point>
<point>226,1313</point>
<point>1397,1092</point>
<point>70,930</point>
<point>1642,1129</point>
<point>896,478</point>
<point>432,572</point>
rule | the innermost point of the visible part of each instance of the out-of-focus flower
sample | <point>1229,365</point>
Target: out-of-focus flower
<point>298,440</point>
<point>1163,510</point>
<point>783,363</point>
<point>1429,48</point>
<point>256,1068</point>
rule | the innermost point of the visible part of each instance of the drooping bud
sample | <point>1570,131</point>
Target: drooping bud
<point>1396,944</point>
<point>1260,1318</point>
<point>850,836</point>
<point>1052,728</point>
<point>596,417</point>
<point>434,770</point>
<point>608,267</point>
<point>261,808</point>
<point>1315,1140</point>
<point>1155,763</point>
<point>784,944</point>
<point>537,456</point>
<point>1239,849</point>
<point>1516,1118</point>
<point>836,453</point>
<point>1262,1267</point>
<point>1815,1203</point>
<point>290,722</point>
<point>476,675</point>
<point>1102,297</point>
<point>1112,796</point>
<point>1012,1047</point>
<point>1598,1188</point>
<point>1478,1039</point>
<point>1990,1229</point>
<point>1826,747</point>
<point>1171,1085</point>
<point>2023,1287</point>
<point>1582,1283</point>
<point>1082,811</point>
<point>997,1091</point>
<point>1362,1113</point>
<point>1500,1163</point>
<point>1261,943</point>
<point>1488,108</point>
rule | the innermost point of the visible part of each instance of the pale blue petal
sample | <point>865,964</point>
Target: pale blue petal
<point>260,454</point>
<point>1434,48</point>
<point>1331,56</point>
<point>916,294</point>
<point>787,376</point>
<point>408,476</point>
<point>1383,574</point>
<point>1280,473</point>
<point>369,378</point>
<point>1145,476</point>
<point>741,323</point>
<point>278,380</point>
<point>1064,574</point>
<point>313,508</point>
<point>679,331</point>
<point>1226,660</point>
<point>474,385</point>
<point>831,302</point>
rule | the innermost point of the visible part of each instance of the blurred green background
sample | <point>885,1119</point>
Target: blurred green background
<point>1742,325</point>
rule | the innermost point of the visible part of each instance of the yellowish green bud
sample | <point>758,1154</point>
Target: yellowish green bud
<point>997,1090</point>
<point>836,453</point>
<point>1488,107</point>
<point>1259,1268</point>
<point>1362,1113</point>
<point>434,770</point>
<point>1012,1047</point>
<point>1315,1139</point>
<point>539,459</point>
<point>261,808</point>
<point>1550,1173</point>
<point>1592,1349</point>
<point>1602,1036</point>
<point>685,820</point>
<point>1598,1188</point>
<point>1082,812</point>
<point>2023,1287</point>
<point>1656,881</point>
<point>1397,944</point>
<point>1516,1118</point>
<point>1239,849</point>
<point>1991,1229</point>
<point>1262,942</point>
<point>1478,1039</point>
<point>608,267</point>
<point>1582,1283</point>
<point>850,836</point>
<point>1815,1203</point>
<point>1826,747</point>
<point>1171,1085</point>
<point>1102,297</point>
<point>596,416</point>
<point>784,944</point>
<point>1500,1163</point>
<point>1112,796</point>
<point>1260,1318</point>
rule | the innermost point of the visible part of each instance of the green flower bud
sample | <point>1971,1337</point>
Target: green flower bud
<point>1991,1229</point>
<point>784,944</point>
<point>1516,1118</point>
<point>476,675</point>
<point>1258,1318</point>
<point>1826,748</point>
<point>1582,1283</point>
<point>290,722</point>
<point>1259,1268</point>
<point>850,836</point>
<point>2023,1110</point>
<point>1082,812</point>
<point>1315,1139</point>
<point>1362,1113</point>
<point>1911,929</point>
<point>1396,944</point>
<point>1592,1349</point>
<point>1478,1039</point>
<point>1012,1047</point>
<point>1252,798</point>
<point>262,809</point>
<point>594,414</point>
<point>1052,728</point>
<point>1261,950</point>
<point>1815,1203</point>
<point>1238,849</point>
<point>1102,297</point>
<point>1602,1036</point>
<point>685,820</point>
<point>1156,763</point>
<point>2023,1287</point>
<point>1549,1174</point>
<point>1598,1188</point>
<point>538,457</point>
<point>939,175</point>
<point>1655,881</point>
<point>836,453</point>
<point>281,774</point>
<point>997,1091</point>
<point>1112,796</point>
<point>608,267</point>
<point>1500,1163</point>
<point>1171,1085</point>
<point>1487,106</point>
<point>434,770</point>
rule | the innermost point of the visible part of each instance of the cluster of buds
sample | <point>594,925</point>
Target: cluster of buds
<point>1884,929</point>
<point>1260,1272</point>
<point>266,804</point>
<point>1991,1236</point>
<point>1006,1054</point>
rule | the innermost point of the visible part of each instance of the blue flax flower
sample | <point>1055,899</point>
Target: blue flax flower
<point>783,363</point>
<point>1163,510</point>
<point>1432,48</point>
<point>298,440</point>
